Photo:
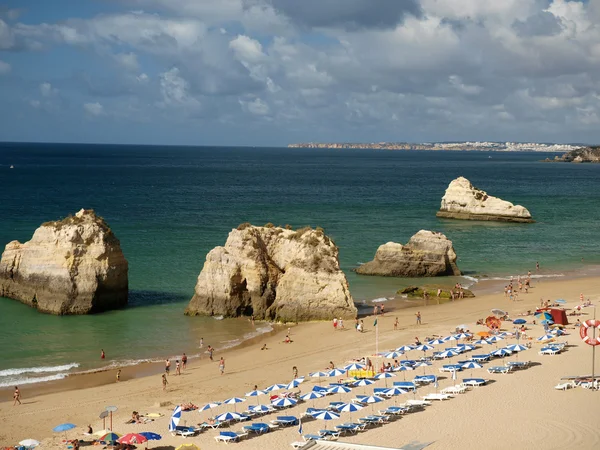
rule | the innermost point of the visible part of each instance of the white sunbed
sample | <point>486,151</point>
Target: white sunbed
<point>417,402</point>
<point>565,386</point>
<point>454,390</point>
<point>437,397</point>
<point>230,436</point>
<point>549,351</point>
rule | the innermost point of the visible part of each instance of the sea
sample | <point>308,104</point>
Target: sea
<point>169,206</point>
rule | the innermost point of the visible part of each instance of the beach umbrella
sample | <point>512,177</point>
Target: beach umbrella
<point>423,364</point>
<point>519,321</point>
<point>505,334</point>
<point>483,342</point>
<point>110,437</point>
<point>543,315</point>
<point>234,401</point>
<point>467,347</point>
<point>29,443</point>
<point>403,369</point>
<point>260,408</point>
<point>339,390</point>
<point>151,436</point>
<point>63,427</point>
<point>424,347</point>
<point>405,348</point>
<point>299,379</point>
<point>292,385</point>
<point>363,382</point>
<point>313,395</point>
<point>336,373</point>
<point>284,402</point>
<point>349,407</point>
<point>188,447</point>
<point>545,337</point>
<point>461,336</point>
<point>516,348</point>
<point>498,312</point>
<point>256,393</point>
<point>175,418</point>
<point>326,415</point>
<point>101,432</point>
<point>275,387</point>
<point>449,338</point>
<point>354,366</point>
<point>132,438</point>
<point>393,355</point>
<point>395,391</point>
<point>385,376</point>
<point>436,342</point>
<point>209,406</point>
<point>547,322</point>
<point>495,339</point>
<point>228,416</point>
<point>483,333</point>
<point>372,399</point>
<point>318,375</point>
<point>502,352</point>
<point>472,365</point>
<point>447,354</point>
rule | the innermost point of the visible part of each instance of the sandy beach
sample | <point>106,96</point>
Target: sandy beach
<point>518,409</point>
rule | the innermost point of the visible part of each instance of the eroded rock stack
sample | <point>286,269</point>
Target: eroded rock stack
<point>275,274</point>
<point>427,254</point>
<point>71,266</point>
<point>464,201</point>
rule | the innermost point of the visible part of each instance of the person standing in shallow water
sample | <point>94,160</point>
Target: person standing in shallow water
<point>102,355</point>
<point>222,365</point>
<point>17,396</point>
<point>164,382</point>
<point>418,314</point>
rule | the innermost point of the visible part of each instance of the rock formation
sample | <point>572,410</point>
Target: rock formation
<point>427,254</point>
<point>464,201</point>
<point>579,155</point>
<point>274,274</point>
<point>72,266</point>
<point>418,291</point>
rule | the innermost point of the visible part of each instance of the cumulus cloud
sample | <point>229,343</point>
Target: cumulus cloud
<point>4,67</point>
<point>442,69</point>
<point>94,109</point>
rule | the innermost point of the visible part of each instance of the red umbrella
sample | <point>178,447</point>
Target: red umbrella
<point>132,438</point>
<point>493,322</point>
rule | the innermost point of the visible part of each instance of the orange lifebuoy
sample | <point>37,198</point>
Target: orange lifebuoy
<point>583,331</point>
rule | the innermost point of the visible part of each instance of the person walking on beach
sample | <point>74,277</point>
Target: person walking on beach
<point>167,366</point>
<point>17,396</point>
<point>102,355</point>
<point>396,324</point>
<point>222,365</point>
<point>164,382</point>
<point>118,375</point>
<point>418,314</point>
<point>210,351</point>
<point>382,310</point>
<point>295,372</point>
<point>201,342</point>
<point>177,368</point>
<point>184,361</point>
<point>335,323</point>
<point>341,323</point>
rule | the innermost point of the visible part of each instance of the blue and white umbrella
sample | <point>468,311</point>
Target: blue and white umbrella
<point>299,379</point>
<point>260,408</point>
<point>382,375</point>
<point>256,393</point>
<point>326,415</point>
<point>501,352</point>
<point>516,348</point>
<point>372,399</point>
<point>483,342</point>
<point>545,337</point>
<point>318,375</point>
<point>495,339</point>
<point>447,354</point>
<point>339,389</point>
<point>471,365</point>
<point>462,336</point>
<point>175,418</point>
<point>275,387</point>
<point>284,402</point>
<point>403,369</point>
<point>354,366</point>
<point>336,373</point>
<point>436,342</point>
<point>312,395</point>
<point>519,321</point>
<point>210,406</point>
<point>422,364</point>
<point>405,348</point>
<point>234,401</point>
<point>449,338</point>
<point>424,347</point>
<point>228,416</point>
<point>363,382</point>
<point>396,391</point>
<point>292,385</point>
<point>349,407</point>
<point>393,355</point>
<point>506,334</point>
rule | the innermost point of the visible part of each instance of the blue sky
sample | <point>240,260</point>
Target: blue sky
<point>271,72</point>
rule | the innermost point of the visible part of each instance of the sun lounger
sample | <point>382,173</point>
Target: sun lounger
<point>318,437</point>
<point>450,368</point>
<point>350,427</point>
<point>565,386</point>
<point>425,379</point>
<point>310,411</point>
<point>299,444</point>
<point>478,358</point>
<point>230,436</point>
<point>258,428</point>
<point>185,431</point>
<point>329,433</point>
<point>371,421</point>
<point>474,381</point>
<point>454,390</point>
<point>432,396</point>
<point>417,402</point>
<point>394,411</point>
<point>518,364</point>
<point>285,421</point>
<point>212,425</point>
<point>334,405</point>
<point>499,369</point>
<point>549,351</point>
<point>405,385</point>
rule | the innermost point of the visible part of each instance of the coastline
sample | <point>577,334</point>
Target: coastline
<point>314,345</point>
<point>106,375</point>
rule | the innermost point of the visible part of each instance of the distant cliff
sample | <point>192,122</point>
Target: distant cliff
<point>70,266</point>
<point>580,155</point>
<point>275,274</point>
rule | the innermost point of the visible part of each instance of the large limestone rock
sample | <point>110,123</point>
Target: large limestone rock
<point>464,201</point>
<point>72,266</point>
<point>427,254</point>
<point>273,274</point>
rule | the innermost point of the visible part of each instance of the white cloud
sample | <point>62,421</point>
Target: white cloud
<point>128,61</point>
<point>94,109</point>
<point>174,90</point>
<point>47,90</point>
<point>4,67</point>
<point>256,107</point>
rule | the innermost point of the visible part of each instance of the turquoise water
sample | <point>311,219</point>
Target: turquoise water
<point>170,205</point>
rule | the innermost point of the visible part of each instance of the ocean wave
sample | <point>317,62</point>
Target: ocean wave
<point>523,277</point>
<point>13,372</point>
<point>30,380</point>
<point>379,300</point>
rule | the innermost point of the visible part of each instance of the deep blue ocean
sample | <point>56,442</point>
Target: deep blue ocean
<point>170,205</point>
